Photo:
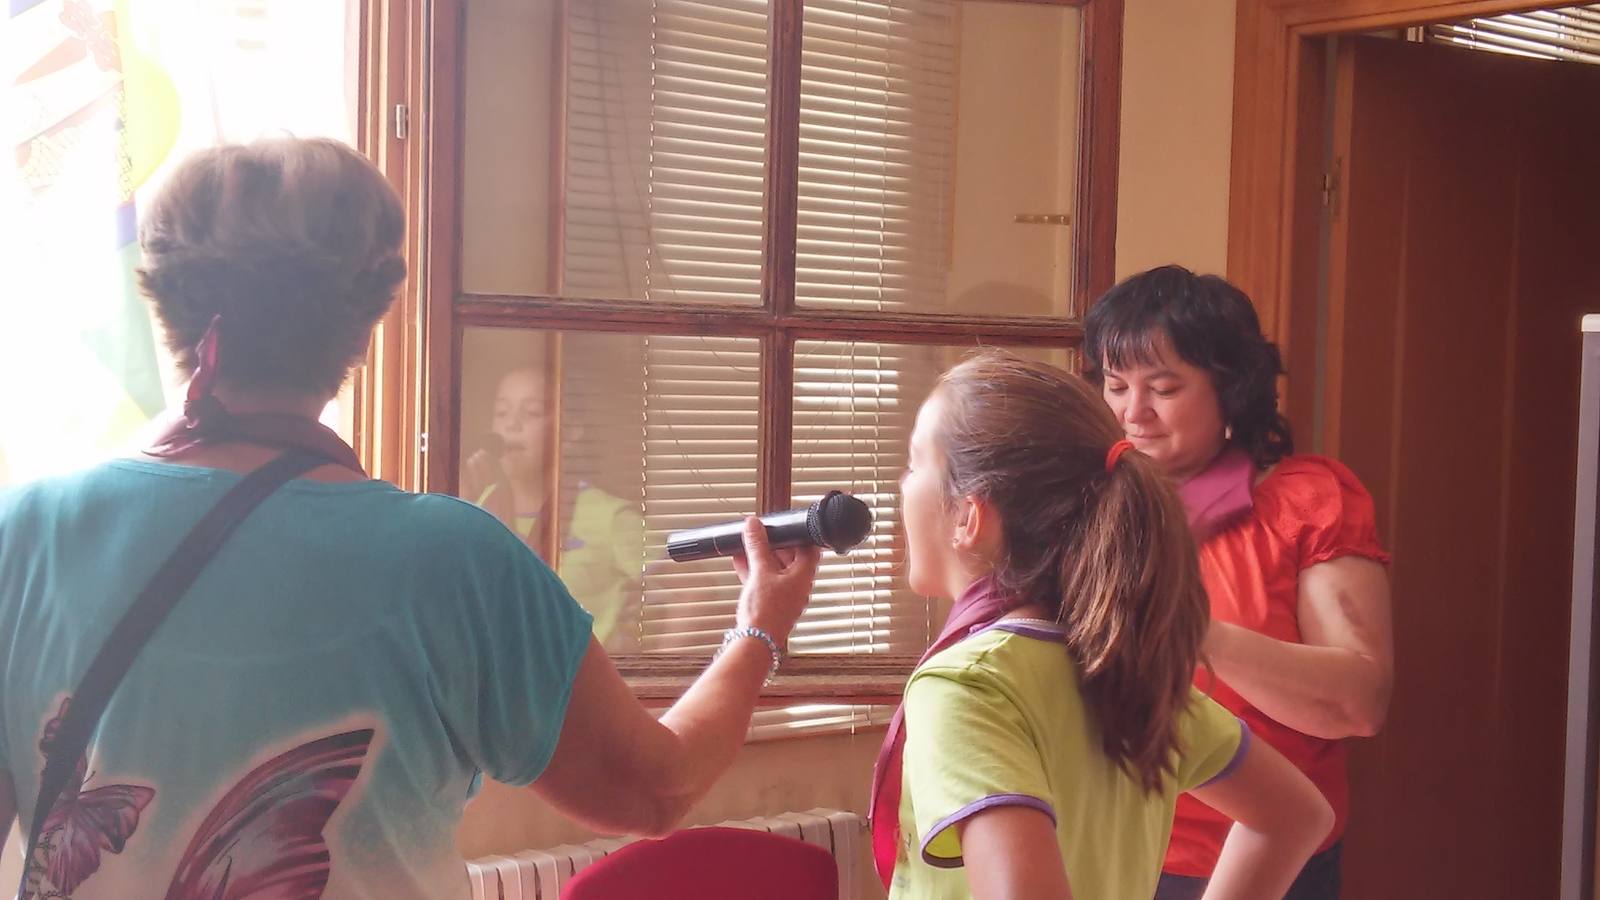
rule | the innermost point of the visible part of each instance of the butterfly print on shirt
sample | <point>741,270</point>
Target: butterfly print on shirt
<point>262,840</point>
<point>84,823</point>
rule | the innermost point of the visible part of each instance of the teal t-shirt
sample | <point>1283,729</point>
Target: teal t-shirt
<point>318,706</point>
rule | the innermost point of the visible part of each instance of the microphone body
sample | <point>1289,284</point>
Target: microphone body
<point>838,521</point>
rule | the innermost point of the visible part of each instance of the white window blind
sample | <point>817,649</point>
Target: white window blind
<point>665,151</point>
<point>877,113</point>
<point>877,150</point>
<point>1571,33</point>
<point>665,158</point>
<point>699,467</point>
<point>854,407</point>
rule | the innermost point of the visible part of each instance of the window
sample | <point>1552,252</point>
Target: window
<point>712,255</point>
<point>1571,33</point>
<point>105,99</point>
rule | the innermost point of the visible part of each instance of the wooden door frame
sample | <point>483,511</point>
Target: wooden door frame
<point>1273,141</point>
<point>408,118</point>
<point>1274,214</point>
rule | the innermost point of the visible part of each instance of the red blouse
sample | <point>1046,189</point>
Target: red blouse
<point>1308,510</point>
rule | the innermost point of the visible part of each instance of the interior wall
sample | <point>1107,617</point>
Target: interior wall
<point>1177,123</point>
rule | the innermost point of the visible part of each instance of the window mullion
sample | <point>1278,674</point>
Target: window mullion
<point>778,246</point>
<point>783,155</point>
<point>777,421</point>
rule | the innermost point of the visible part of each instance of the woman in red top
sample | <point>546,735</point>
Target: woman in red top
<point>1300,640</point>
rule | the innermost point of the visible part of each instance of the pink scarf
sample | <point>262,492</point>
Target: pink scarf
<point>1220,494</point>
<point>981,604</point>
<point>206,421</point>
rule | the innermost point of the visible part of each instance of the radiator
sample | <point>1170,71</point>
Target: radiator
<point>539,874</point>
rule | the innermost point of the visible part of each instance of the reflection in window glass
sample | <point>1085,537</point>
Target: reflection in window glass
<point>938,146</point>
<point>622,158</point>
<point>593,447</point>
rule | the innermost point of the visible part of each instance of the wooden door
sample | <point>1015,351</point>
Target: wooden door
<point>1465,246</point>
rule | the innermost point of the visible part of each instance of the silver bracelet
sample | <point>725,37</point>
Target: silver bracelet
<point>733,634</point>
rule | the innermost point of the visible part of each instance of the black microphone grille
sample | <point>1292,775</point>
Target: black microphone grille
<point>839,521</point>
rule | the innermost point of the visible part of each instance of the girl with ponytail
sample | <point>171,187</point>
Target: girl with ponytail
<point>1046,735</point>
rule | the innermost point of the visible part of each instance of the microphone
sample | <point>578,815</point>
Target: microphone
<point>838,521</point>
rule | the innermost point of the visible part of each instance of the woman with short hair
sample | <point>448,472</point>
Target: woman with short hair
<point>312,717</point>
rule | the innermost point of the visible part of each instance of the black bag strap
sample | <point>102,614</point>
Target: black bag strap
<point>140,622</point>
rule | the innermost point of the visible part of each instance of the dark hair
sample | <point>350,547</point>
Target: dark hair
<point>1213,326</point>
<point>1109,552</point>
<point>295,243</point>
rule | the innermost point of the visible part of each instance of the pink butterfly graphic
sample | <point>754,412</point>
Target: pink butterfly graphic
<point>262,841</point>
<point>83,824</point>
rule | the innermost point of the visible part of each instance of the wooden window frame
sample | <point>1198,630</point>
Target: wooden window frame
<point>408,417</point>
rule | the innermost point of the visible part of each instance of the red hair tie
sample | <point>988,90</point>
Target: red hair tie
<point>1115,453</point>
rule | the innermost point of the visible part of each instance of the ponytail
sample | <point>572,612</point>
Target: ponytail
<point>1135,613</point>
<point>1107,548</point>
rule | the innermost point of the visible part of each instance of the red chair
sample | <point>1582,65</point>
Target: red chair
<point>710,864</point>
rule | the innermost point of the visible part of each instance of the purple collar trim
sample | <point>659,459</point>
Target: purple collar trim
<point>1039,629</point>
